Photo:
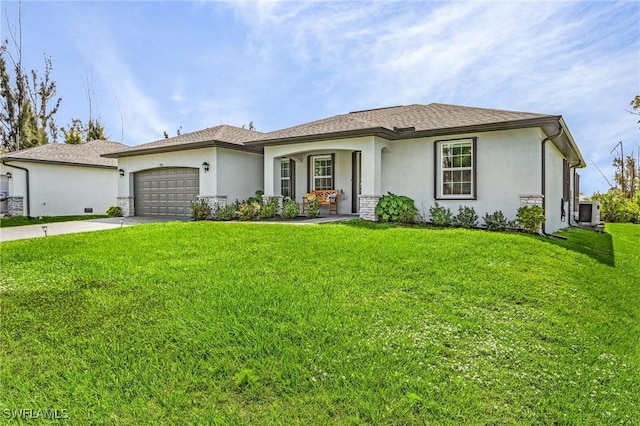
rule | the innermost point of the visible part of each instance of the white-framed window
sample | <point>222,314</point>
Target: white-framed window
<point>455,168</point>
<point>285,177</point>
<point>322,177</point>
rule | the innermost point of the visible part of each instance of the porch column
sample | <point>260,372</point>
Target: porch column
<point>371,180</point>
<point>270,178</point>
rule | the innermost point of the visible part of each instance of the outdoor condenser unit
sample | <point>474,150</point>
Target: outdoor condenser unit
<point>589,213</point>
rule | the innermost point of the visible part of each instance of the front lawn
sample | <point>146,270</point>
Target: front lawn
<point>236,323</point>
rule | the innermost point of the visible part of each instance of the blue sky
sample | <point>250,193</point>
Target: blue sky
<point>155,66</point>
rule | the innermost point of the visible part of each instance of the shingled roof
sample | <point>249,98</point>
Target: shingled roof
<point>86,154</point>
<point>223,135</point>
<point>406,121</point>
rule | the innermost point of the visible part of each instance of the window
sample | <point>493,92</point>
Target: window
<point>455,168</point>
<point>322,177</point>
<point>285,178</point>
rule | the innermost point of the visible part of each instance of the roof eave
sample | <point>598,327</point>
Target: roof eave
<point>57,163</point>
<point>346,134</point>
<point>575,154</point>
<point>394,135</point>
<point>182,147</point>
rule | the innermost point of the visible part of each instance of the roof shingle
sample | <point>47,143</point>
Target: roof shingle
<point>86,154</point>
<point>434,116</point>
<point>223,133</point>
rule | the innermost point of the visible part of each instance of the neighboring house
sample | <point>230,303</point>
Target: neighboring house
<point>483,158</point>
<point>162,178</point>
<point>60,179</point>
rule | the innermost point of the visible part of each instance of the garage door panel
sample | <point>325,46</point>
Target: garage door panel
<point>166,192</point>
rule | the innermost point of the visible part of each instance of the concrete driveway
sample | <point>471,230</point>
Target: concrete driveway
<point>36,231</point>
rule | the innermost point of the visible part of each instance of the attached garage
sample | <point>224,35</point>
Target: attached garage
<point>166,191</point>
<point>163,177</point>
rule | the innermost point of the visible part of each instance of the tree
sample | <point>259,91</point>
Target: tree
<point>635,104</point>
<point>628,182</point>
<point>78,132</point>
<point>74,134</point>
<point>27,105</point>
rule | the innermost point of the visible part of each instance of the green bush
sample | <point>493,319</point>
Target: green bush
<point>200,210</point>
<point>440,216</point>
<point>290,209</point>
<point>313,207</point>
<point>495,221</point>
<point>114,211</point>
<point>466,217</point>
<point>614,207</point>
<point>257,198</point>
<point>248,211</point>
<point>267,211</point>
<point>226,212</point>
<point>531,218</point>
<point>396,208</point>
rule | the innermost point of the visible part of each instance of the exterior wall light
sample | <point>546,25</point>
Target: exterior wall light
<point>205,166</point>
<point>121,172</point>
<point>9,175</point>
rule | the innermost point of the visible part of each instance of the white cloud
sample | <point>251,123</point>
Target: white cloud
<point>580,60</point>
<point>131,109</point>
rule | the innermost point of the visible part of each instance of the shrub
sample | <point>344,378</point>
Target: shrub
<point>313,207</point>
<point>200,210</point>
<point>530,218</point>
<point>114,211</point>
<point>495,221</point>
<point>466,217</point>
<point>257,198</point>
<point>396,208</point>
<point>226,212</point>
<point>440,216</point>
<point>290,209</point>
<point>614,207</point>
<point>248,211</point>
<point>267,211</point>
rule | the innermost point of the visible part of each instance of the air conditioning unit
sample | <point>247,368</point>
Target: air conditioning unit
<point>589,213</point>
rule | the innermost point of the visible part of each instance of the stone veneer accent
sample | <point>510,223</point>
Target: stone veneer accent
<point>531,200</point>
<point>368,205</point>
<point>265,200</point>
<point>214,201</point>
<point>127,206</point>
<point>15,206</point>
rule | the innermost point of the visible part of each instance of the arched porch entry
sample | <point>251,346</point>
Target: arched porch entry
<point>352,166</point>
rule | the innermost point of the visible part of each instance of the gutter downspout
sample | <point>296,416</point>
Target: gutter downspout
<point>4,162</point>
<point>544,176</point>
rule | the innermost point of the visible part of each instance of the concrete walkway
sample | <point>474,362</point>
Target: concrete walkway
<point>59,228</point>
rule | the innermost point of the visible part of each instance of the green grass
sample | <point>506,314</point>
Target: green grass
<point>7,222</point>
<point>234,323</point>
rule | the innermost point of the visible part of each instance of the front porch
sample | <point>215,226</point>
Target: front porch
<point>350,167</point>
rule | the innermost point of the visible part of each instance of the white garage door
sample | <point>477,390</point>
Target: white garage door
<point>166,192</point>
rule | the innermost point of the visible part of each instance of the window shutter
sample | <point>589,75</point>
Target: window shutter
<point>292,179</point>
<point>309,174</point>
<point>333,171</point>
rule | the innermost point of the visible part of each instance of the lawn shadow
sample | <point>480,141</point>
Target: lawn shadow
<point>596,245</point>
